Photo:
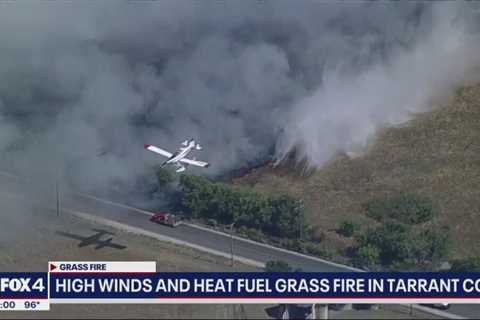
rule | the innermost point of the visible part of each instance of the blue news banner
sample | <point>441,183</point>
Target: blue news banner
<point>258,287</point>
<point>34,291</point>
<point>24,291</point>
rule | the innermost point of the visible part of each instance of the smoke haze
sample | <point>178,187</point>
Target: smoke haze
<point>85,84</point>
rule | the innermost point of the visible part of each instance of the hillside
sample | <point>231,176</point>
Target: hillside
<point>436,155</point>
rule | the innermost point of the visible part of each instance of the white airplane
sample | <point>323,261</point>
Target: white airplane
<point>179,158</point>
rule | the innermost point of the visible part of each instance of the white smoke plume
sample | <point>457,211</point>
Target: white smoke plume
<point>350,105</point>
<point>83,85</point>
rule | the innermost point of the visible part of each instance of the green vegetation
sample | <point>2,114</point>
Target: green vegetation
<point>348,228</point>
<point>392,243</point>
<point>277,266</point>
<point>399,242</point>
<point>164,177</point>
<point>435,155</point>
<point>253,234</point>
<point>280,216</point>
<point>403,240</point>
<point>315,249</point>
<point>367,256</point>
<point>263,218</point>
<point>471,264</point>
<point>405,207</point>
<point>395,245</point>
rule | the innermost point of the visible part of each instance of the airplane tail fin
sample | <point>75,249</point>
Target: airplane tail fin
<point>180,169</point>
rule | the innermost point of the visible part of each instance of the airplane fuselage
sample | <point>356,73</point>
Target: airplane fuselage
<point>90,240</point>
<point>182,153</point>
<point>179,158</point>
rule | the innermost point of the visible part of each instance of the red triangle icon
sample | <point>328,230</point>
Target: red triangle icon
<point>52,267</point>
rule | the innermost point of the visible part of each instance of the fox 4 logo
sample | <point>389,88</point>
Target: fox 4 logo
<point>21,285</point>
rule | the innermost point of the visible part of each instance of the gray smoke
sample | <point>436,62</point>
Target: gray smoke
<point>85,84</point>
<point>344,112</point>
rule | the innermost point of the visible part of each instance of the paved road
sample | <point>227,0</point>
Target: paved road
<point>218,241</point>
<point>466,310</point>
<point>205,238</point>
<point>187,233</point>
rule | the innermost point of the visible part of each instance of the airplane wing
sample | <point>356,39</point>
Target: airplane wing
<point>103,231</point>
<point>195,162</point>
<point>108,243</point>
<point>158,150</point>
<point>84,241</point>
<point>71,235</point>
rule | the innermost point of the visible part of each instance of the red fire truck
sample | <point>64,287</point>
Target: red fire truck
<point>166,218</point>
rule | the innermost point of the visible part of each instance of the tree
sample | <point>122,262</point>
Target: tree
<point>393,242</point>
<point>277,266</point>
<point>287,215</point>
<point>367,257</point>
<point>197,194</point>
<point>471,264</point>
<point>348,228</point>
<point>164,177</point>
<point>401,246</point>
<point>432,246</point>
<point>280,216</point>
<point>406,207</point>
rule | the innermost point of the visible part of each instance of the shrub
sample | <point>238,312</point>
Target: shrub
<point>406,207</point>
<point>277,266</point>
<point>432,246</point>
<point>368,257</point>
<point>211,222</point>
<point>392,240</point>
<point>164,177</point>
<point>278,216</point>
<point>313,248</point>
<point>399,245</point>
<point>255,235</point>
<point>348,228</point>
<point>471,264</point>
<point>294,245</point>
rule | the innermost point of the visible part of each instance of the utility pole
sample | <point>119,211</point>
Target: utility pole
<point>231,244</point>
<point>57,191</point>
<point>300,219</point>
<point>58,197</point>
<point>301,225</point>
<point>322,311</point>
